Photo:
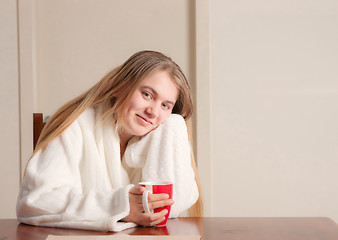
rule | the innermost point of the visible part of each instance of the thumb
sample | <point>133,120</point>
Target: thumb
<point>138,190</point>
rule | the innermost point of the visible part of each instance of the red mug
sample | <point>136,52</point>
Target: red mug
<point>157,188</point>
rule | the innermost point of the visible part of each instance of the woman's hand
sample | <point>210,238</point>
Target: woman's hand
<point>137,214</point>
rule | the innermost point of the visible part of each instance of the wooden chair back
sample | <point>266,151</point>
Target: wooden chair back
<point>38,125</point>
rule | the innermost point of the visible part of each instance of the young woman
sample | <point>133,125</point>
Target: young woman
<point>93,152</point>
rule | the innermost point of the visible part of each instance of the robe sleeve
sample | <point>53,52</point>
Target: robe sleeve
<point>52,192</point>
<point>164,155</point>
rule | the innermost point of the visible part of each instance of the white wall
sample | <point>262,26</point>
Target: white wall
<point>80,41</point>
<point>274,95</point>
<point>9,117</point>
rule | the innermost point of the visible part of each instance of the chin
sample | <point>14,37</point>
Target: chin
<point>141,133</point>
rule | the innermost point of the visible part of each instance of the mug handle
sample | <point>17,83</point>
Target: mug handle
<point>145,201</point>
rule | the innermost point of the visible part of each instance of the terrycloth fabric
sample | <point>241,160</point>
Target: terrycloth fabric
<point>163,155</point>
<point>78,180</point>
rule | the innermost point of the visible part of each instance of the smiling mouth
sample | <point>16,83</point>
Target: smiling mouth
<point>144,119</point>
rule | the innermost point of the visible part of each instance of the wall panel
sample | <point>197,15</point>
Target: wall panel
<point>9,117</point>
<point>274,112</point>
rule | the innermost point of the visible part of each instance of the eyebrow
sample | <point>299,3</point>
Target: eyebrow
<point>156,94</point>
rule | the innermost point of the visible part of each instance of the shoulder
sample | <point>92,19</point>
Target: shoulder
<point>175,124</point>
<point>84,123</point>
<point>88,115</point>
<point>174,120</point>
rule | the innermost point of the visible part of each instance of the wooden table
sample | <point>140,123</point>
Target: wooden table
<point>208,228</point>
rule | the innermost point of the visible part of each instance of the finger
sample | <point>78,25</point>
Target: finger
<point>136,198</point>
<point>138,190</point>
<point>158,217</point>
<point>154,218</point>
<point>157,221</point>
<point>157,197</point>
<point>159,204</point>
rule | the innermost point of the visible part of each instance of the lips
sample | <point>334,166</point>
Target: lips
<point>144,119</point>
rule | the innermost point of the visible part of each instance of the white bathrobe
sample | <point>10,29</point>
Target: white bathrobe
<point>79,181</point>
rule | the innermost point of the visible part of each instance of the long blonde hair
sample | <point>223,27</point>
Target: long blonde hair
<point>114,91</point>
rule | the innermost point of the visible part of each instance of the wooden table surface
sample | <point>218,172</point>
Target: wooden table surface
<point>207,228</point>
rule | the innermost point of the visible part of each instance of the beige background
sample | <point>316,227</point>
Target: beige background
<point>264,73</point>
<point>9,117</point>
<point>274,95</point>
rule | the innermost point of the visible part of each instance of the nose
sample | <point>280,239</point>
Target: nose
<point>152,110</point>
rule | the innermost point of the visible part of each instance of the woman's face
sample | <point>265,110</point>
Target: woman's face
<point>150,104</point>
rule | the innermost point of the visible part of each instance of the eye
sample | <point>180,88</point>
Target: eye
<point>147,95</point>
<point>166,106</point>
